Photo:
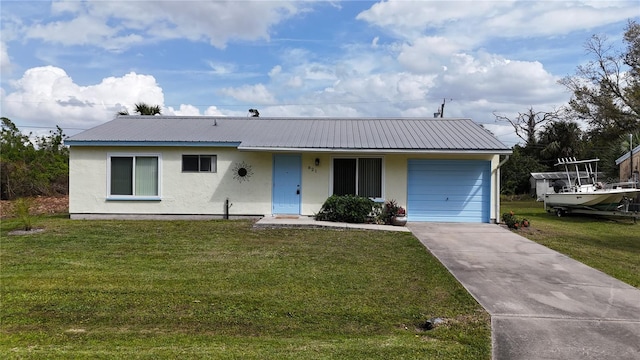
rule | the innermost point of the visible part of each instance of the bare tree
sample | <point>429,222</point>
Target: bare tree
<point>528,123</point>
<point>606,90</point>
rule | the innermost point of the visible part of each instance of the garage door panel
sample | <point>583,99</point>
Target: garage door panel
<point>452,205</point>
<point>438,189</point>
<point>439,199</point>
<point>448,190</point>
<point>437,178</point>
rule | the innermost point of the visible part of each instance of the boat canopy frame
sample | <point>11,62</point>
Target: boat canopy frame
<point>588,168</point>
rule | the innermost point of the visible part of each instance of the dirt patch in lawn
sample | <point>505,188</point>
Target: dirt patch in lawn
<point>42,205</point>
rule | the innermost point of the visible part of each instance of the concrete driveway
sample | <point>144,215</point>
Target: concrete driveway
<point>543,305</point>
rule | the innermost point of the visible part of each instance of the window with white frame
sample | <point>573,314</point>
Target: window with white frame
<point>199,163</point>
<point>358,176</point>
<point>134,176</point>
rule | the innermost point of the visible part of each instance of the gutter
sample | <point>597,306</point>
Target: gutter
<point>378,150</point>
<point>503,161</point>
<point>497,189</point>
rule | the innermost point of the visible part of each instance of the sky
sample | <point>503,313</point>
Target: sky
<point>75,64</point>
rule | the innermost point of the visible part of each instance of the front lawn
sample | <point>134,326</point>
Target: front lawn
<point>609,244</point>
<point>220,289</point>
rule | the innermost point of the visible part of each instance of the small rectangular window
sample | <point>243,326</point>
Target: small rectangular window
<point>199,163</point>
<point>190,163</point>
<point>122,175</point>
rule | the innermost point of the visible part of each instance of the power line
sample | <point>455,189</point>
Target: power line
<point>46,127</point>
<point>379,101</point>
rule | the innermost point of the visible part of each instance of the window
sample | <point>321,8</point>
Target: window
<point>134,176</point>
<point>199,163</point>
<point>359,176</point>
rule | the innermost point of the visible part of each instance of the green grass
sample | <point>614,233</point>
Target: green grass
<point>220,289</point>
<point>609,244</point>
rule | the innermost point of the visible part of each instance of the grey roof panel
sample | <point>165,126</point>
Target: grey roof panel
<point>627,155</point>
<point>554,175</point>
<point>299,133</point>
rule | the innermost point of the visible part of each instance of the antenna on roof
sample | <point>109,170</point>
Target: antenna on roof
<point>215,122</point>
<point>440,112</point>
<point>254,113</point>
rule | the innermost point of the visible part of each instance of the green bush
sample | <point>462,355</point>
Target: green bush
<point>391,210</point>
<point>346,208</point>
<point>30,168</point>
<point>23,213</point>
<point>513,222</point>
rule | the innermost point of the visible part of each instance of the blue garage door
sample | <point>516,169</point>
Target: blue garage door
<point>449,190</point>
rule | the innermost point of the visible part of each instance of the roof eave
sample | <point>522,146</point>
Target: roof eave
<point>380,150</point>
<point>98,143</point>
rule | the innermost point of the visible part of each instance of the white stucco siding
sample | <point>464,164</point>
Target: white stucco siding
<point>180,192</point>
<point>394,182</point>
<point>315,182</point>
<point>204,193</point>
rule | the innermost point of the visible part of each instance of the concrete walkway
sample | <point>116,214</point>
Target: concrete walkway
<point>309,222</point>
<point>543,305</point>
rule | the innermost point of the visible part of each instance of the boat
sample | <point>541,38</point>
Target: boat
<point>576,192</point>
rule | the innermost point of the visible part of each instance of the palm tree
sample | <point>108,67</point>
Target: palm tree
<point>560,139</point>
<point>144,109</point>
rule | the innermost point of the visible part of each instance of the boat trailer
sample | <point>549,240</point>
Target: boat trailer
<point>621,210</point>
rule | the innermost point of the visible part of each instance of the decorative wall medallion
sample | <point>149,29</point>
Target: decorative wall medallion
<point>242,171</point>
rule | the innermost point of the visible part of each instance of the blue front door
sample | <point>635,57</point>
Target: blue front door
<point>286,184</point>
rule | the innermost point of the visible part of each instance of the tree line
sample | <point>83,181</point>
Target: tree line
<point>602,119</point>
<point>32,166</point>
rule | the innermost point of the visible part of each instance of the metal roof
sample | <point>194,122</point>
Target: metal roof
<point>627,155</point>
<point>555,175</point>
<point>247,133</point>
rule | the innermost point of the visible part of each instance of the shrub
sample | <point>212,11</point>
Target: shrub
<point>29,168</point>
<point>23,213</point>
<point>513,222</point>
<point>375,215</point>
<point>390,210</point>
<point>346,208</point>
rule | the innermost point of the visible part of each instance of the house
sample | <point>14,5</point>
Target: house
<point>210,167</point>
<point>626,171</point>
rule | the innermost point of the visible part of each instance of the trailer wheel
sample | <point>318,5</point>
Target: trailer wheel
<point>560,212</point>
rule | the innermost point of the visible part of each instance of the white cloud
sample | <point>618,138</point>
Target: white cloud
<point>429,53</point>
<point>275,71</point>
<point>549,18</point>
<point>213,111</point>
<point>222,69</point>
<point>5,60</point>
<point>410,19</point>
<point>250,94</point>
<point>495,78</point>
<point>190,110</point>
<point>47,96</point>
<point>117,25</point>
<point>184,110</point>
<point>374,42</point>
<point>295,82</point>
<point>479,20</point>
<point>82,30</point>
